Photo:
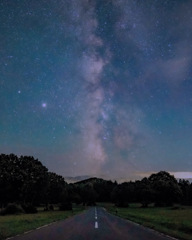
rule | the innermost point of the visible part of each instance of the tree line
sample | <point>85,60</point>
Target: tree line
<point>28,183</point>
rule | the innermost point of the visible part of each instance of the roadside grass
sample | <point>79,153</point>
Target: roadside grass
<point>11,225</point>
<point>173,221</point>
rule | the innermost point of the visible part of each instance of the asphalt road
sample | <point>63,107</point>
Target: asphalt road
<point>94,224</point>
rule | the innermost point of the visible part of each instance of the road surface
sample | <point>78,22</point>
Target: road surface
<point>94,224</point>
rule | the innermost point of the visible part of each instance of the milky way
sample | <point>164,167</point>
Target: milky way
<point>98,88</point>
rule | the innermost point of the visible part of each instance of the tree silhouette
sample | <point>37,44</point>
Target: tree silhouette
<point>165,187</point>
<point>22,179</point>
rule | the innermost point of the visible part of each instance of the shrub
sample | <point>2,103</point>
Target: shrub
<point>91,203</point>
<point>12,208</point>
<point>122,204</point>
<point>51,207</point>
<point>65,206</point>
<point>28,208</point>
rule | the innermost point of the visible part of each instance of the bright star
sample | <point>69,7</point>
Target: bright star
<point>44,105</point>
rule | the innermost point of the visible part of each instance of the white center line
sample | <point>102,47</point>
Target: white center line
<point>96,224</point>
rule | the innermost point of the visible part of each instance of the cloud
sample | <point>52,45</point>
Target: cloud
<point>162,53</point>
<point>176,69</point>
<point>182,175</point>
<point>170,72</point>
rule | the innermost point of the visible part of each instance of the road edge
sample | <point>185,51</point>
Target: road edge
<point>137,224</point>
<point>43,226</point>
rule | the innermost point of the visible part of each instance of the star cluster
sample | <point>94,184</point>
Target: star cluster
<point>97,87</point>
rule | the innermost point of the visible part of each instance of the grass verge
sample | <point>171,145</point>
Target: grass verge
<point>176,222</point>
<point>12,225</point>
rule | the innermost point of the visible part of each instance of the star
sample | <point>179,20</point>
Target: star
<point>44,105</point>
<point>96,83</point>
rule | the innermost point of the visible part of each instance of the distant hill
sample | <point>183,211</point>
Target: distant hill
<point>76,179</point>
<point>87,177</point>
<point>95,188</point>
<point>91,180</point>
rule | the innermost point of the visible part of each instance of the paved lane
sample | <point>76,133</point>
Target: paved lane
<point>94,224</point>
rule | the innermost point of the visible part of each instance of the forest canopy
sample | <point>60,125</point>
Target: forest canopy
<point>27,182</point>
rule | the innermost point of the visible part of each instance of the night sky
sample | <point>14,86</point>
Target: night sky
<point>98,87</point>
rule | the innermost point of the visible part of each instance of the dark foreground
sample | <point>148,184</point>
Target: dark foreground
<point>94,224</point>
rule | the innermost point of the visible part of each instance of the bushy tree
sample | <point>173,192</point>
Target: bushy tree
<point>123,194</point>
<point>74,192</point>
<point>35,179</point>
<point>185,189</point>
<point>93,189</point>
<point>22,179</point>
<point>144,192</point>
<point>91,195</point>
<point>104,189</point>
<point>57,188</point>
<point>11,179</point>
<point>165,187</point>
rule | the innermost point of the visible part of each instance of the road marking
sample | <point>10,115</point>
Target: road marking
<point>96,224</point>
